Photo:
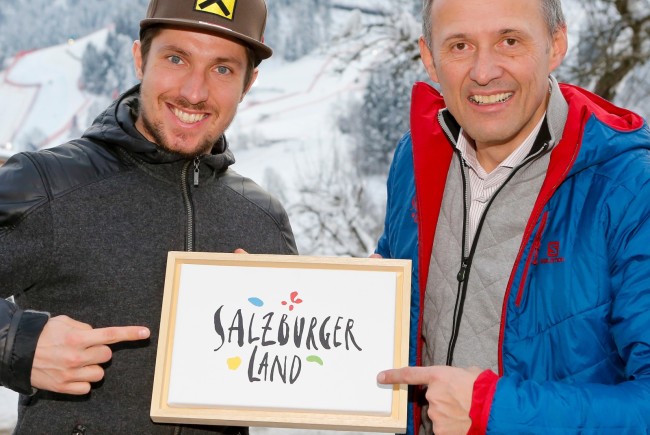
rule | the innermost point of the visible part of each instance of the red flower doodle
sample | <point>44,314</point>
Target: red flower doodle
<point>294,300</point>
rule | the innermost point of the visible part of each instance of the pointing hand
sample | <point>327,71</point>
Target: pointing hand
<point>449,393</point>
<point>69,353</point>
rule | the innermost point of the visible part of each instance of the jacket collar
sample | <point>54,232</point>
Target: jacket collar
<point>116,127</point>
<point>556,113</point>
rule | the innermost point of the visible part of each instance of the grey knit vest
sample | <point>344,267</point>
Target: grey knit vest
<point>497,245</point>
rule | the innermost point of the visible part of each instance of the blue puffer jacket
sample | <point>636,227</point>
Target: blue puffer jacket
<point>574,350</point>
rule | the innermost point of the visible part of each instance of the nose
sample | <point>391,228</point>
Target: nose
<point>485,67</point>
<point>195,87</point>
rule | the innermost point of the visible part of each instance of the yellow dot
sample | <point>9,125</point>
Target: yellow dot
<point>234,363</point>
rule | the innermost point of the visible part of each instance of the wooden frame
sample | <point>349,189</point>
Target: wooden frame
<point>391,416</point>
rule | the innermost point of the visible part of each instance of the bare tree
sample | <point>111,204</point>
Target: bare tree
<point>614,44</point>
<point>335,213</point>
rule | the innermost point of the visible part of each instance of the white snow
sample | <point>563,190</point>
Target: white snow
<point>43,94</point>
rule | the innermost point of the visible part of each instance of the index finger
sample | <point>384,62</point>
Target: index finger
<point>407,375</point>
<point>115,334</point>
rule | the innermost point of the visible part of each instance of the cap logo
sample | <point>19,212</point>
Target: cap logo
<point>223,8</point>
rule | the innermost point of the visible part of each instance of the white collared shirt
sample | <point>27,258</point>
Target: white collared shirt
<point>483,185</point>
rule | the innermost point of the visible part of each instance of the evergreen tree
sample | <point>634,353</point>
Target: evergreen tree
<point>296,27</point>
<point>384,115</point>
<point>94,67</point>
<point>128,22</point>
<point>118,52</point>
<point>377,123</point>
<point>109,71</point>
<point>43,23</point>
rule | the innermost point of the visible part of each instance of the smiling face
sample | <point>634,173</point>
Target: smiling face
<point>192,83</point>
<point>492,61</point>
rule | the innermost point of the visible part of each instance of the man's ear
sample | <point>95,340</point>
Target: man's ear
<point>136,50</point>
<point>559,47</point>
<point>427,59</point>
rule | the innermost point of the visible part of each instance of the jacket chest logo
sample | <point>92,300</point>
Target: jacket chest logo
<point>552,254</point>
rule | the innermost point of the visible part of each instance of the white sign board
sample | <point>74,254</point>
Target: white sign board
<point>282,341</point>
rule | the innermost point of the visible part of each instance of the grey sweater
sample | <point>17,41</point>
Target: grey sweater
<point>85,229</point>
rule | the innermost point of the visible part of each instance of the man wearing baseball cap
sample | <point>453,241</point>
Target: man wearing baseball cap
<point>85,227</point>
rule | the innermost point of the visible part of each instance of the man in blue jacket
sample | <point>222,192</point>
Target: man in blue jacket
<point>525,207</point>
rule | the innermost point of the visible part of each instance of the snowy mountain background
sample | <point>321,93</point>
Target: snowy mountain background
<point>317,129</point>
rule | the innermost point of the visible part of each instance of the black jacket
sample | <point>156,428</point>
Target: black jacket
<point>85,229</point>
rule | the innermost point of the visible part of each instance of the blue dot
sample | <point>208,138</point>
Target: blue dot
<point>256,301</point>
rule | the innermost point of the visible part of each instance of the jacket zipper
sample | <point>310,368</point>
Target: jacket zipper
<point>466,262</point>
<point>189,210</point>
<point>465,258</point>
<point>464,265</point>
<point>197,162</point>
<point>187,198</point>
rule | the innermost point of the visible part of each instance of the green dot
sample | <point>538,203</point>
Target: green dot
<point>315,359</point>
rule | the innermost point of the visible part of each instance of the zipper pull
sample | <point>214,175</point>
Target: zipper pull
<point>197,162</point>
<point>462,274</point>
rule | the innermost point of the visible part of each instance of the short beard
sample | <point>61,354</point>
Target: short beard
<point>155,130</point>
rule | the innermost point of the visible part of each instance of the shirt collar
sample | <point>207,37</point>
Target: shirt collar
<point>468,151</point>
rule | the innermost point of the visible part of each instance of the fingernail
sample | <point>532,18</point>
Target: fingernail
<point>381,377</point>
<point>144,333</point>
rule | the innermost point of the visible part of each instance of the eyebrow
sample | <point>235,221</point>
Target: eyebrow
<point>456,36</point>
<point>500,32</point>
<point>511,31</point>
<point>175,49</point>
<point>218,59</point>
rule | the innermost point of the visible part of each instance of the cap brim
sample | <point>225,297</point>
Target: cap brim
<point>261,51</point>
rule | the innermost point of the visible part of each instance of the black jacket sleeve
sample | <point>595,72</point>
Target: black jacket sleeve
<point>19,333</point>
<point>24,250</point>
